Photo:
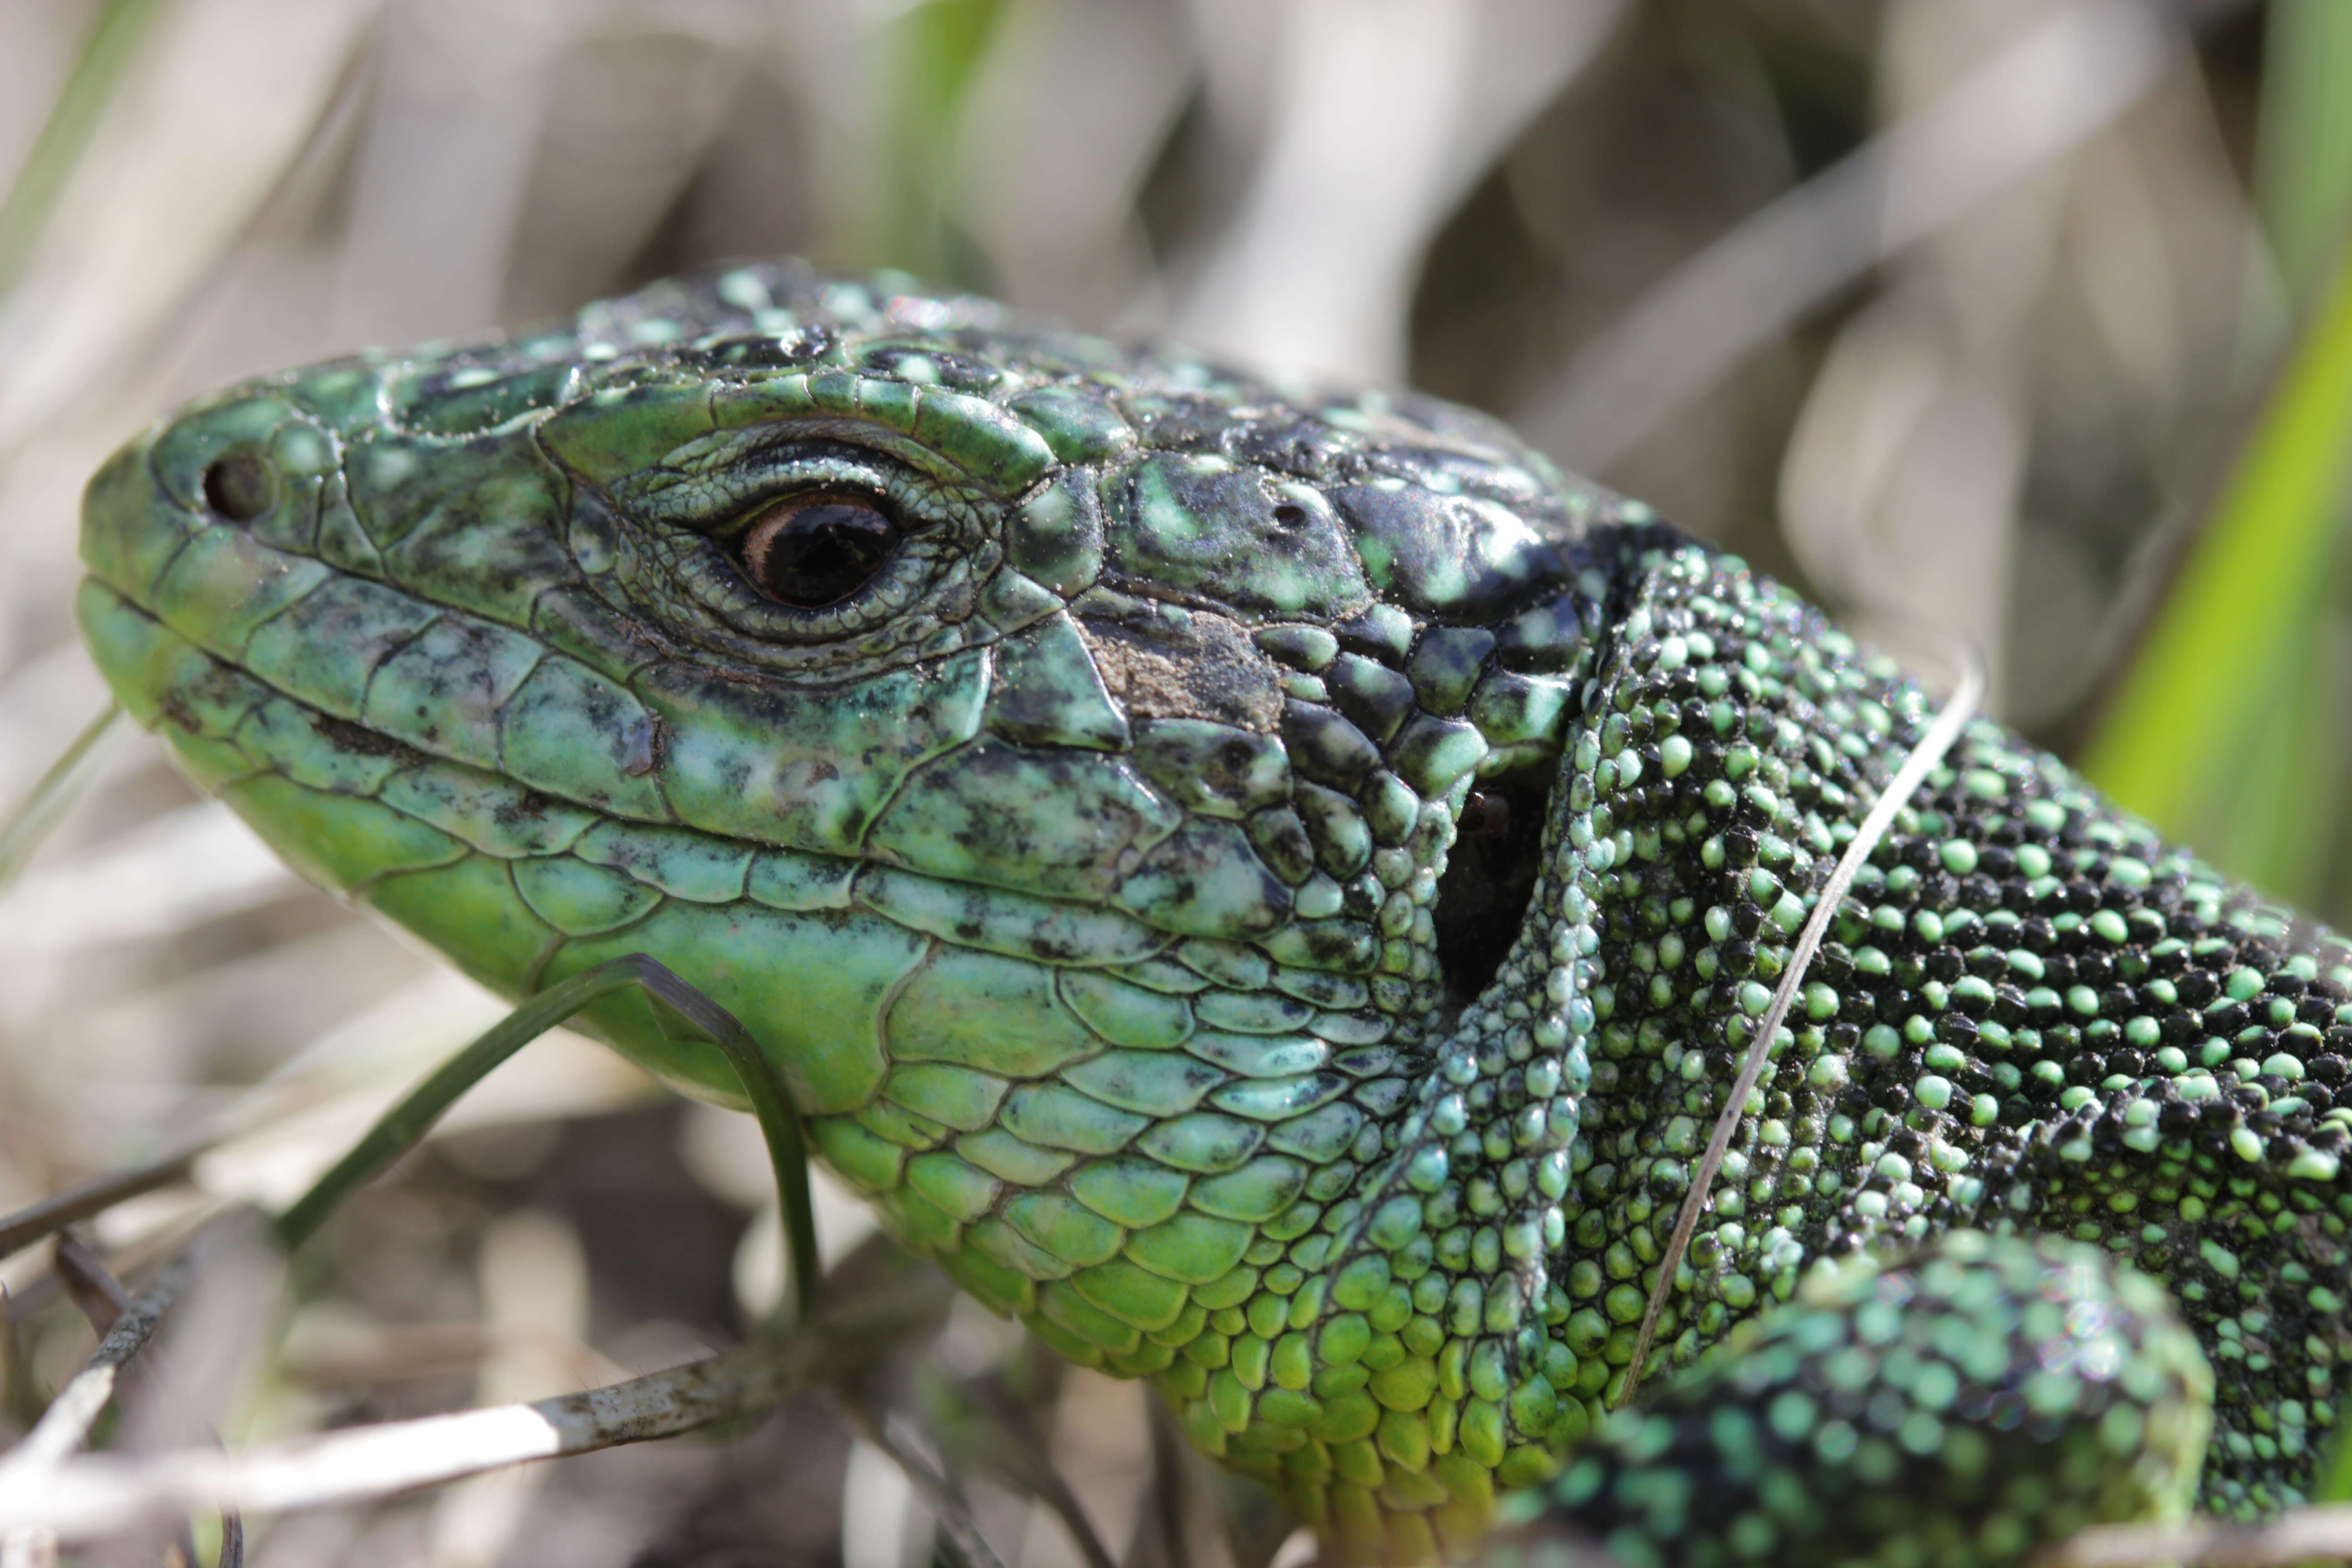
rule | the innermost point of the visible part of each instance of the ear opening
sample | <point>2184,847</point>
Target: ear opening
<point>1490,875</point>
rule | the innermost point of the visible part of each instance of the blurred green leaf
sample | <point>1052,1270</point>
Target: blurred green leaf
<point>936,54</point>
<point>27,821</point>
<point>106,55</point>
<point>2227,728</point>
<point>2224,730</point>
<point>2304,182</point>
<point>2333,1481</point>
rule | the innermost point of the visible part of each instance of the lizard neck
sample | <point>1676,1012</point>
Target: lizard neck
<point>1477,1303</point>
<point>1429,1330</point>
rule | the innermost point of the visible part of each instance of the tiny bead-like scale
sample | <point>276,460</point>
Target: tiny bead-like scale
<point>1271,886</point>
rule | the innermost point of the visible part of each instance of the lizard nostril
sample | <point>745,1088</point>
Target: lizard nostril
<point>238,486</point>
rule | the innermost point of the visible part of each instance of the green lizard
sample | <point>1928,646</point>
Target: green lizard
<point>1275,888</point>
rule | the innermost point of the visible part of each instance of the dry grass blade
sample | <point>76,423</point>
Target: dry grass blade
<point>1378,118</point>
<point>94,1289</point>
<point>67,1422</point>
<point>20,1406</point>
<point>1933,742</point>
<point>1164,1547</point>
<point>961,1539</point>
<point>2037,102</point>
<point>51,1214</point>
<point>103,1494</point>
<point>2323,1533</point>
<point>1024,1454</point>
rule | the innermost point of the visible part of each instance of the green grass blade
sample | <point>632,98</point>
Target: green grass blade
<point>2303,184</point>
<point>771,1107</point>
<point>936,53</point>
<point>106,55</point>
<point>29,821</point>
<point>403,1127</point>
<point>2223,730</point>
<point>2333,1483</point>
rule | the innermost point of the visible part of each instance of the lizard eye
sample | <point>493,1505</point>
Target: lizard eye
<point>812,550</point>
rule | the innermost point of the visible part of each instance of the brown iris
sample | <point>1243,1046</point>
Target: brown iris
<point>818,550</point>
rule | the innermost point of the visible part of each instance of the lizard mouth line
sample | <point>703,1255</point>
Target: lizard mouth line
<point>230,724</point>
<point>543,887</point>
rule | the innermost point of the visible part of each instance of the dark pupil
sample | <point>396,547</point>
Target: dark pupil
<point>826,551</point>
<point>236,487</point>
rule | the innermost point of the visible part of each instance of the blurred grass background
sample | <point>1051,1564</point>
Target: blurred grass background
<point>2026,320</point>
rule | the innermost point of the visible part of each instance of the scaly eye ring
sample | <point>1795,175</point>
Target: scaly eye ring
<point>792,544</point>
<point>811,551</point>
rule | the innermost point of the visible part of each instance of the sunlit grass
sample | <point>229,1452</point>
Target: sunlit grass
<point>115,34</point>
<point>935,52</point>
<point>2227,728</point>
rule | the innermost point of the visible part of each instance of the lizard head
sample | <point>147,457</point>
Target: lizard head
<point>1092,775</point>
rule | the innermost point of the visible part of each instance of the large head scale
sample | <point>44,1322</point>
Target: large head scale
<point>1051,752</point>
